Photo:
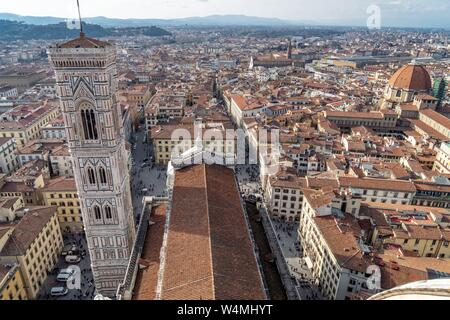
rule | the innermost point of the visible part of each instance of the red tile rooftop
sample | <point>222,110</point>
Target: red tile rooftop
<point>359,115</point>
<point>209,252</point>
<point>83,42</point>
<point>437,117</point>
<point>147,277</point>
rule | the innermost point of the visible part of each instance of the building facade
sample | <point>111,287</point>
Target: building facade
<point>35,244</point>
<point>12,286</point>
<point>86,78</point>
<point>8,157</point>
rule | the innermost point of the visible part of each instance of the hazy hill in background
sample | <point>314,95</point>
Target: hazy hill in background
<point>216,20</point>
<point>12,30</point>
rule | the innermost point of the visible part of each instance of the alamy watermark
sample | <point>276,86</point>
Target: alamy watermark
<point>374,19</point>
<point>374,281</point>
<point>74,280</point>
<point>225,147</point>
<point>73,24</point>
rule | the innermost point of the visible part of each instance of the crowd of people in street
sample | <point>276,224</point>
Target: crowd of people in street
<point>288,239</point>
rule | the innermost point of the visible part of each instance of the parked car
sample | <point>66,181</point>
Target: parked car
<point>58,291</point>
<point>73,259</point>
<point>65,275</point>
<point>69,249</point>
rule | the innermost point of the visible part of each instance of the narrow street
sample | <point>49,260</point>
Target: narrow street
<point>147,179</point>
<point>273,280</point>
<point>87,289</point>
<point>280,238</point>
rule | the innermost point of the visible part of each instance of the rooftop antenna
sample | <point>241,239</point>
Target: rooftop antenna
<point>79,17</point>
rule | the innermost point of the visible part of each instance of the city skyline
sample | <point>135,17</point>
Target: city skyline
<point>228,158</point>
<point>393,13</point>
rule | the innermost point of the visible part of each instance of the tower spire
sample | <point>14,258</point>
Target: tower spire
<point>79,17</point>
<point>289,50</point>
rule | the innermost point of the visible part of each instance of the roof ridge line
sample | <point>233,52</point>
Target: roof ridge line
<point>209,231</point>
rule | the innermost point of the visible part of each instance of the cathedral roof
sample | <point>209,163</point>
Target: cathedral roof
<point>83,42</point>
<point>411,77</point>
<point>209,253</point>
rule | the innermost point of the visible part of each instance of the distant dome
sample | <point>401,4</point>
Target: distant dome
<point>411,77</point>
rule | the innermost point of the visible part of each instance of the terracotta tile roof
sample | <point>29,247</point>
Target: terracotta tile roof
<point>424,186</point>
<point>60,184</point>
<point>4,229</point>
<point>422,126</point>
<point>377,184</point>
<point>318,198</point>
<point>147,278</point>
<point>83,42</point>
<point>4,140</point>
<point>8,203</point>
<point>209,252</point>
<point>27,230</point>
<point>3,272</point>
<point>341,236</point>
<point>286,180</point>
<point>411,77</point>
<point>437,117</point>
<point>16,187</point>
<point>248,104</point>
<point>398,269</point>
<point>358,115</point>
<point>418,232</point>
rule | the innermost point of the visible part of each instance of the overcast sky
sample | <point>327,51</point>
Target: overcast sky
<point>393,12</point>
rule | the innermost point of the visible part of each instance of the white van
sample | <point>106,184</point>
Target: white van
<point>59,291</point>
<point>73,259</point>
<point>65,275</point>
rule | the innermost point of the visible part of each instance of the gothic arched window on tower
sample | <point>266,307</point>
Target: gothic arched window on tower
<point>91,175</point>
<point>89,124</point>
<point>102,174</point>
<point>108,212</point>
<point>97,213</point>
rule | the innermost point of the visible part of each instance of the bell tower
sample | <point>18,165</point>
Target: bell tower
<point>86,79</point>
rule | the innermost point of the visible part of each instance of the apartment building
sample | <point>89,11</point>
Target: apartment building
<point>332,245</point>
<point>62,192</point>
<point>61,161</point>
<point>431,194</point>
<point>55,129</point>
<point>24,122</point>
<point>21,79</point>
<point>437,121</point>
<point>240,107</point>
<point>35,243</point>
<point>39,149</point>
<point>139,94</point>
<point>284,196</point>
<point>12,285</point>
<point>284,193</point>
<point>442,163</point>
<point>417,230</point>
<point>184,137</point>
<point>8,157</point>
<point>10,208</point>
<point>8,92</point>
<point>383,119</point>
<point>379,190</point>
<point>26,182</point>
